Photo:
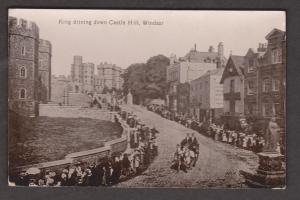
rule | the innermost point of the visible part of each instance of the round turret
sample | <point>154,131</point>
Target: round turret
<point>45,46</point>
<point>23,27</point>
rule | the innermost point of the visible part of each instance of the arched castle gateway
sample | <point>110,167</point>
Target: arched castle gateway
<point>24,79</point>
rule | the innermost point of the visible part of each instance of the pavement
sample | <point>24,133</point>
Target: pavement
<point>218,165</point>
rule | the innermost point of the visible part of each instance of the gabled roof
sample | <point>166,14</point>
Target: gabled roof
<point>252,53</point>
<point>238,64</point>
<point>275,31</point>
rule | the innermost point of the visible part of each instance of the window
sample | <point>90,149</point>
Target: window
<point>231,85</point>
<point>275,84</point>
<point>23,72</point>
<point>250,87</point>
<point>270,109</point>
<point>266,85</point>
<point>174,88</point>
<point>23,51</point>
<point>251,65</point>
<point>277,109</point>
<point>251,108</point>
<point>267,109</point>
<point>276,56</point>
<point>22,94</point>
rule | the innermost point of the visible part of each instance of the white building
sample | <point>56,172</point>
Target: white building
<point>193,65</point>
<point>206,96</point>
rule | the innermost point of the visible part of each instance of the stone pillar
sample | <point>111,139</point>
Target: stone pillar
<point>271,169</point>
<point>270,173</point>
<point>129,98</point>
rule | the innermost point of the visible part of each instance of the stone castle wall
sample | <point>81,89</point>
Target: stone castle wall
<point>23,55</point>
<point>45,50</point>
<point>29,67</point>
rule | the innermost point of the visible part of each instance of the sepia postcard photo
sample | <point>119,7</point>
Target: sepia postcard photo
<point>147,98</point>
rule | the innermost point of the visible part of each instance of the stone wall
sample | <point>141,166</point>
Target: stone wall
<point>116,146</point>
<point>45,51</point>
<point>54,110</point>
<point>26,86</point>
<point>23,56</point>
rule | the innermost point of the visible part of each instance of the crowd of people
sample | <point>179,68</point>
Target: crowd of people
<point>104,171</point>
<point>242,139</point>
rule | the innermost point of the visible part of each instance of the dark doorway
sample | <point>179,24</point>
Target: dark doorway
<point>76,89</point>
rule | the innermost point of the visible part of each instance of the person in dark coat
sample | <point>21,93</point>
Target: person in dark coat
<point>194,146</point>
<point>64,179</point>
<point>186,141</point>
<point>94,177</point>
<point>23,179</point>
<point>117,167</point>
<point>126,165</point>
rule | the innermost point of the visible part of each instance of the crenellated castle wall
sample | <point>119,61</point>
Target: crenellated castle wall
<point>23,55</point>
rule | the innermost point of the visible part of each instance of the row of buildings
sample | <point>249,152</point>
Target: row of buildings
<point>208,86</point>
<point>255,84</point>
<point>194,82</point>
<point>85,79</point>
<point>29,67</point>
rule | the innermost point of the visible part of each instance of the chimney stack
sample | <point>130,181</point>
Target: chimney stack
<point>262,47</point>
<point>211,49</point>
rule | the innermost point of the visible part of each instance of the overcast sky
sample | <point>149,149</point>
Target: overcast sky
<point>127,44</point>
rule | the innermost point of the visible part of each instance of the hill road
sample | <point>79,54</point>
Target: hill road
<point>218,164</point>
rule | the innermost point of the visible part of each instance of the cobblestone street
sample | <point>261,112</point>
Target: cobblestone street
<point>218,164</point>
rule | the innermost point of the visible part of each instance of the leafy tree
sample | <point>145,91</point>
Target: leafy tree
<point>147,80</point>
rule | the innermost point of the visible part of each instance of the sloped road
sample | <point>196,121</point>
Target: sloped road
<point>218,164</point>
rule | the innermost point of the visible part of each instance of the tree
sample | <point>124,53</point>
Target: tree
<point>146,80</point>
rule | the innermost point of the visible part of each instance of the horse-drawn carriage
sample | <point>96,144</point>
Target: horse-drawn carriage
<point>186,154</point>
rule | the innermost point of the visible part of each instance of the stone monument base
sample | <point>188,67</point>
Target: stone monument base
<point>270,173</point>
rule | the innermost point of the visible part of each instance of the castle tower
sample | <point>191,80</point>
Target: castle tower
<point>211,49</point>
<point>77,74</point>
<point>220,49</point>
<point>23,81</point>
<point>88,77</point>
<point>45,52</point>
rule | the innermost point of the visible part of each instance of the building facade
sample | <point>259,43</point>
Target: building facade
<point>88,77</point>
<point>110,76</point>
<point>98,84</point>
<point>265,78</point>
<point>206,96</point>
<point>233,90</point>
<point>272,72</point>
<point>251,75</point>
<point>24,77</point>
<point>45,53</point>
<point>84,79</point>
<point>77,75</point>
<point>82,76</point>
<point>183,98</point>
<point>60,88</point>
<point>193,65</point>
